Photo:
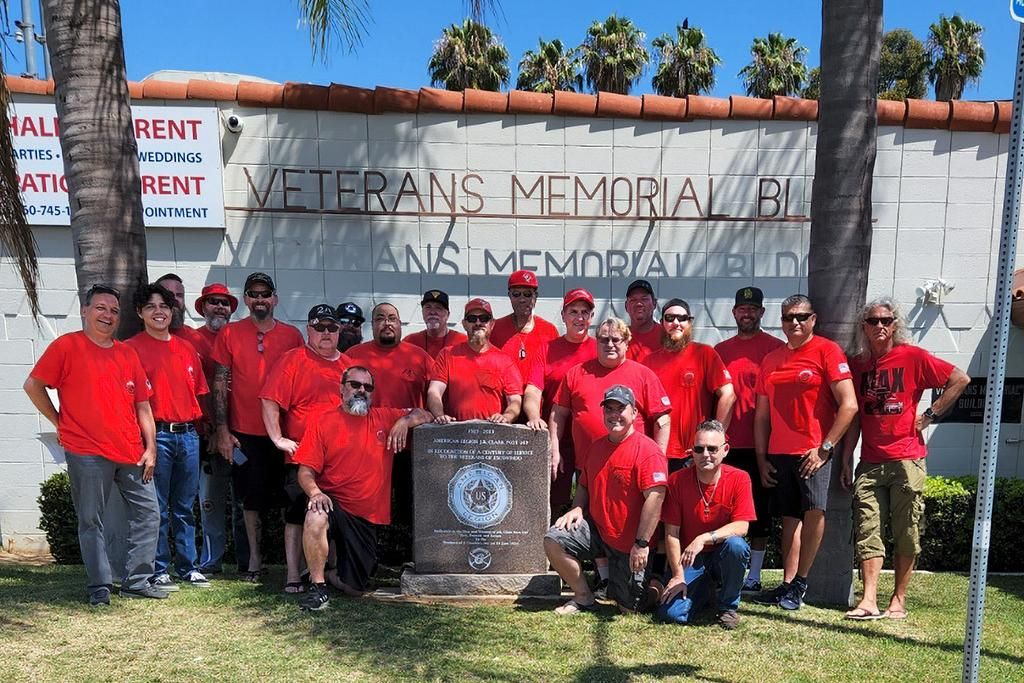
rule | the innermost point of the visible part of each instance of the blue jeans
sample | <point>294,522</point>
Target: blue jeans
<point>177,485</point>
<point>214,489</point>
<point>725,564</point>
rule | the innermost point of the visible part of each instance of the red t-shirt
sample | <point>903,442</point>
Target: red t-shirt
<point>888,391</point>
<point>400,372</point>
<point>433,345</point>
<point>175,375</point>
<point>616,476</point>
<point>691,376</point>
<point>479,384</point>
<point>798,385</point>
<point>583,389</point>
<point>237,349</point>
<point>202,340</point>
<point>642,344</point>
<point>350,457</point>
<point>304,383</point>
<point>522,347</point>
<point>98,389</point>
<point>554,361</point>
<point>732,500</point>
<point>742,357</point>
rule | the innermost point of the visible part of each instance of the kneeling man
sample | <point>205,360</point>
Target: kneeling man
<point>615,510</point>
<point>345,463</point>
<point>709,507</point>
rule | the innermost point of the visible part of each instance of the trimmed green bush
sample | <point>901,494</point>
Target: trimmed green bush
<point>58,519</point>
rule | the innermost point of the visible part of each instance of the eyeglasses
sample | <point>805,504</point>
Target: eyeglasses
<point>699,450</point>
<point>796,317</point>
<point>482,318</point>
<point>259,293</point>
<point>359,385</point>
<point>259,341</point>
<point>676,318</point>
<point>326,327</point>
<point>604,341</point>
<point>389,319</point>
<point>350,321</point>
<point>529,294</point>
<point>219,302</point>
<point>873,321</point>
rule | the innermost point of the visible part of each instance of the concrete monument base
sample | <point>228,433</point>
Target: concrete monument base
<point>525,585</point>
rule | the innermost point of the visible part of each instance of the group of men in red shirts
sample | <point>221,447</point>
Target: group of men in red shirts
<point>627,410</point>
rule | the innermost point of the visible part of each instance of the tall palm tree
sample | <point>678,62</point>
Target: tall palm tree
<point>614,56</point>
<point>840,244</point>
<point>956,55</point>
<point>469,56</point>
<point>903,66</point>
<point>777,67</point>
<point>812,90</point>
<point>686,65</point>
<point>550,68</point>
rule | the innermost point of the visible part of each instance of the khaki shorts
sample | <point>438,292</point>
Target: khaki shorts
<point>889,495</point>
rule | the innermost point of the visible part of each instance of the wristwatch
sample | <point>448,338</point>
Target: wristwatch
<point>641,543</point>
<point>828,447</point>
<point>930,414</point>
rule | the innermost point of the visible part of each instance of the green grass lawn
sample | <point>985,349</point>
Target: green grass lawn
<point>240,632</point>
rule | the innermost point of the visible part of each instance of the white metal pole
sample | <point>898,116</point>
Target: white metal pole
<point>996,373</point>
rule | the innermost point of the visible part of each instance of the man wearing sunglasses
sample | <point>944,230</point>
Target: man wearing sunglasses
<point>345,462</point>
<point>805,403</point>
<point>303,383</point>
<point>890,374</point>
<point>245,352</point>
<point>351,319</point>
<point>437,335</point>
<point>521,333</point>
<point>475,380</point>
<point>105,426</point>
<point>697,381</point>
<point>707,511</point>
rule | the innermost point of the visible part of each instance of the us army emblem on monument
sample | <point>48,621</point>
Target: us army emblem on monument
<point>480,495</point>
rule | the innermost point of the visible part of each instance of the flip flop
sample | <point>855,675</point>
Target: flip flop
<point>896,614</point>
<point>861,614</point>
<point>573,607</point>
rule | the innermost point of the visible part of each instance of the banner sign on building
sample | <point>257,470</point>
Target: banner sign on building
<point>179,161</point>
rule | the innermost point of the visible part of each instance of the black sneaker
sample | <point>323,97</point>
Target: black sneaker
<point>728,619</point>
<point>146,591</point>
<point>794,597</point>
<point>100,597</point>
<point>752,587</point>
<point>773,596</point>
<point>315,599</point>
<point>601,589</point>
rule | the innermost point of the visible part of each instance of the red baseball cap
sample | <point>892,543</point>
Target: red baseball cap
<point>522,278</point>
<point>215,289</point>
<point>478,305</point>
<point>574,295</point>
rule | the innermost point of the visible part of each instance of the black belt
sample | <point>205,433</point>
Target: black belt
<point>176,427</point>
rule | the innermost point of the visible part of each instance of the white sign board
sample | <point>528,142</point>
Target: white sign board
<point>1017,10</point>
<point>179,160</point>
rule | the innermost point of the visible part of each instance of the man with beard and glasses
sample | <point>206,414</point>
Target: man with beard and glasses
<point>698,384</point>
<point>302,384</point>
<point>805,403</point>
<point>437,335</point>
<point>177,381</point>
<point>742,355</point>
<point>644,331</point>
<point>245,352</point>
<point>345,471</point>
<point>475,380</point>
<point>520,334</point>
<point>351,319</point>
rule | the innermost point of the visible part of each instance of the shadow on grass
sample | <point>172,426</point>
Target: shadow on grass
<point>1011,585</point>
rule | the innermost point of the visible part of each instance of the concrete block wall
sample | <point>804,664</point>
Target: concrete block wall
<point>937,200</point>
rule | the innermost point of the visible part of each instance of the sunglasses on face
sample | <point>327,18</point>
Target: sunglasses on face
<point>676,318</point>
<point>219,302</point>
<point>604,341</point>
<point>349,321</point>
<point>259,293</point>
<point>482,318</point>
<point>359,385</point>
<point>699,450</point>
<point>522,295</point>
<point>873,321</point>
<point>259,341</point>
<point>796,317</point>
<point>325,327</point>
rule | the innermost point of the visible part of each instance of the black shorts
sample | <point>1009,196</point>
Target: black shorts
<point>258,481</point>
<point>676,464</point>
<point>355,541</point>
<point>295,508</point>
<point>794,495</point>
<point>746,460</point>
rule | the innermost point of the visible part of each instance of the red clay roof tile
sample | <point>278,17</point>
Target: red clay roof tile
<point>664,108</point>
<point>795,109</point>
<point>613,105</point>
<point>305,96</point>
<point>973,116</point>
<point>164,90</point>
<point>701,107</point>
<point>485,102</point>
<point>523,102</point>
<point>927,114</point>
<point>253,94</point>
<point>395,100</point>
<point>741,107</point>
<point>347,98</point>
<point>435,99</point>
<point>575,104</point>
<point>1004,112</point>
<point>211,90</point>
<point>891,112</point>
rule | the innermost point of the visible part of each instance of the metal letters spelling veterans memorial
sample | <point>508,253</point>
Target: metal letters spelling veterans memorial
<point>481,498</point>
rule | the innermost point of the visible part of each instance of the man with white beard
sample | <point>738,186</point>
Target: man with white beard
<point>345,464</point>
<point>437,336</point>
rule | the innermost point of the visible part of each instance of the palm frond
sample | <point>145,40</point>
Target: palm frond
<point>334,21</point>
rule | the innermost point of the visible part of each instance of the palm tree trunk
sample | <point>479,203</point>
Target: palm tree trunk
<point>840,245</point>
<point>98,144</point>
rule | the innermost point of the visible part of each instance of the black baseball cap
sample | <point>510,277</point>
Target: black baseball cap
<point>435,296</point>
<point>675,302</point>
<point>641,284</point>
<point>749,295</point>
<point>350,310</point>
<point>621,394</point>
<point>321,312</point>
<point>260,278</point>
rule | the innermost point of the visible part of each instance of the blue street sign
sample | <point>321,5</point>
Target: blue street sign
<point>1017,10</point>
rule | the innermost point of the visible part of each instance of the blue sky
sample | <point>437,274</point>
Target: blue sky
<point>263,38</point>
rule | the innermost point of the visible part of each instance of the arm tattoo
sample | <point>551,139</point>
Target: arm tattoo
<point>221,379</point>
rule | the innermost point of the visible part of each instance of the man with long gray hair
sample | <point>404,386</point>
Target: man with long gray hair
<point>890,374</point>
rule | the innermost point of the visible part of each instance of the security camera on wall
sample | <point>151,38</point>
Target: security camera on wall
<point>234,123</point>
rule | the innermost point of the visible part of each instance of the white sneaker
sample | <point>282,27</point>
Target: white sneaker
<point>165,583</point>
<point>197,580</point>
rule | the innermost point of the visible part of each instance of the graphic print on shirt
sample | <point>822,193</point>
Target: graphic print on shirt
<point>878,387</point>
